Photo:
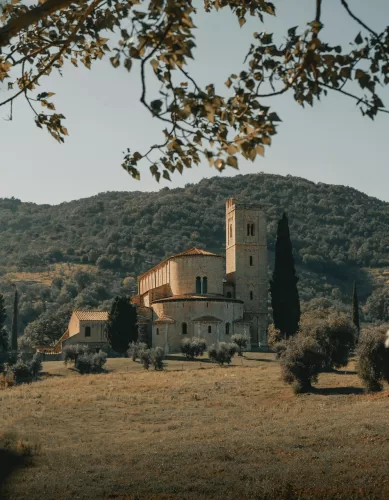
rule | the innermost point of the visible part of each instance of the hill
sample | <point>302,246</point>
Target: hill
<point>79,253</point>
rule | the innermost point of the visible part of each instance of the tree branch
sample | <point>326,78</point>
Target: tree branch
<point>359,21</point>
<point>355,97</point>
<point>87,12</point>
<point>21,22</point>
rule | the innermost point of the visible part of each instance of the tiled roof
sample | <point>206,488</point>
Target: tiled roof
<point>208,319</point>
<point>91,315</point>
<point>211,297</point>
<point>189,252</point>
<point>164,319</point>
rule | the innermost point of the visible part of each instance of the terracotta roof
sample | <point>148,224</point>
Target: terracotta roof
<point>200,297</point>
<point>164,319</point>
<point>208,319</point>
<point>91,315</point>
<point>189,252</point>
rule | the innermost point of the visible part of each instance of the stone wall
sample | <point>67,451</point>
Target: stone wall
<point>169,335</point>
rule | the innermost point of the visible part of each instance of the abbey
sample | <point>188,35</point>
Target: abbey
<point>202,294</point>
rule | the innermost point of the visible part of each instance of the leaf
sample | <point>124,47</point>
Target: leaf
<point>232,149</point>
<point>260,150</point>
<point>273,117</point>
<point>232,162</point>
<point>242,21</point>
<point>358,39</point>
<point>115,61</point>
<point>128,64</point>
<point>166,175</point>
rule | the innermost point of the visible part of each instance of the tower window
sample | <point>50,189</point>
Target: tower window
<point>230,230</point>
<point>184,329</point>
<point>251,295</point>
<point>251,260</point>
<point>228,295</point>
<point>227,328</point>
<point>252,229</point>
<point>209,329</point>
<point>157,331</point>
<point>198,284</point>
<point>87,331</point>
<point>205,285</point>
<point>248,229</point>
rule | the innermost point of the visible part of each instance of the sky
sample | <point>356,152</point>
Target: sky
<point>330,143</point>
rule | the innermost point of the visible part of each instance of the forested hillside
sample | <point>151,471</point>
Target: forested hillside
<point>78,253</point>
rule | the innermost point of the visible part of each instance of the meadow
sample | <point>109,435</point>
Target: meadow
<point>196,430</point>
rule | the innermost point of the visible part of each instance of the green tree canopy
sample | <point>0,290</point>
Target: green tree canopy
<point>121,326</point>
<point>47,329</point>
<point>157,41</point>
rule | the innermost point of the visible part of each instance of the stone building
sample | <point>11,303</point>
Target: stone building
<point>202,294</point>
<point>85,327</point>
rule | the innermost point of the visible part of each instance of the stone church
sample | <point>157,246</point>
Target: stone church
<point>201,294</point>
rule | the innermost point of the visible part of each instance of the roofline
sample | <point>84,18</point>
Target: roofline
<point>182,254</point>
<point>199,299</point>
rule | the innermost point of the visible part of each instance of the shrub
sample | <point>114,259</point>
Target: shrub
<point>241,341</point>
<point>157,355</point>
<point>276,340</point>
<point>135,350</point>
<point>21,372</point>
<point>373,358</point>
<point>24,371</point>
<point>91,362</point>
<point>193,347</point>
<point>145,359</point>
<point>222,352</point>
<point>153,357</point>
<point>72,352</point>
<point>335,333</point>
<point>36,365</point>
<point>301,362</point>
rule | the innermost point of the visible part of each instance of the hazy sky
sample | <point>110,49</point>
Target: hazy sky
<point>330,143</point>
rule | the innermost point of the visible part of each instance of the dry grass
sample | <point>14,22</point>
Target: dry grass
<point>235,432</point>
<point>46,277</point>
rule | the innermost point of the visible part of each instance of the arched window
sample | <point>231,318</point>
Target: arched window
<point>230,230</point>
<point>157,331</point>
<point>87,331</point>
<point>205,285</point>
<point>251,260</point>
<point>209,329</point>
<point>248,229</point>
<point>184,328</point>
<point>198,284</point>
<point>227,328</point>
<point>252,229</point>
<point>251,295</point>
<point>228,295</point>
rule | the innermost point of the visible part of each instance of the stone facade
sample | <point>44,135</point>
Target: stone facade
<point>186,295</point>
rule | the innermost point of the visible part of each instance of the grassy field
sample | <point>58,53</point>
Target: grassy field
<point>197,430</point>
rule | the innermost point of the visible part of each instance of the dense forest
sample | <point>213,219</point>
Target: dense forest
<point>82,253</point>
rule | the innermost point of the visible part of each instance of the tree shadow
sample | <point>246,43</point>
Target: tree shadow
<point>48,375</point>
<point>172,357</point>
<point>337,391</point>
<point>10,462</point>
<point>262,360</point>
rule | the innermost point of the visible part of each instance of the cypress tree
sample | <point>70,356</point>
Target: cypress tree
<point>283,287</point>
<point>121,328</point>
<point>4,338</point>
<point>356,307</point>
<point>14,330</point>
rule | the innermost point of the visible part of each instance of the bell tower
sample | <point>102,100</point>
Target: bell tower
<point>246,264</point>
